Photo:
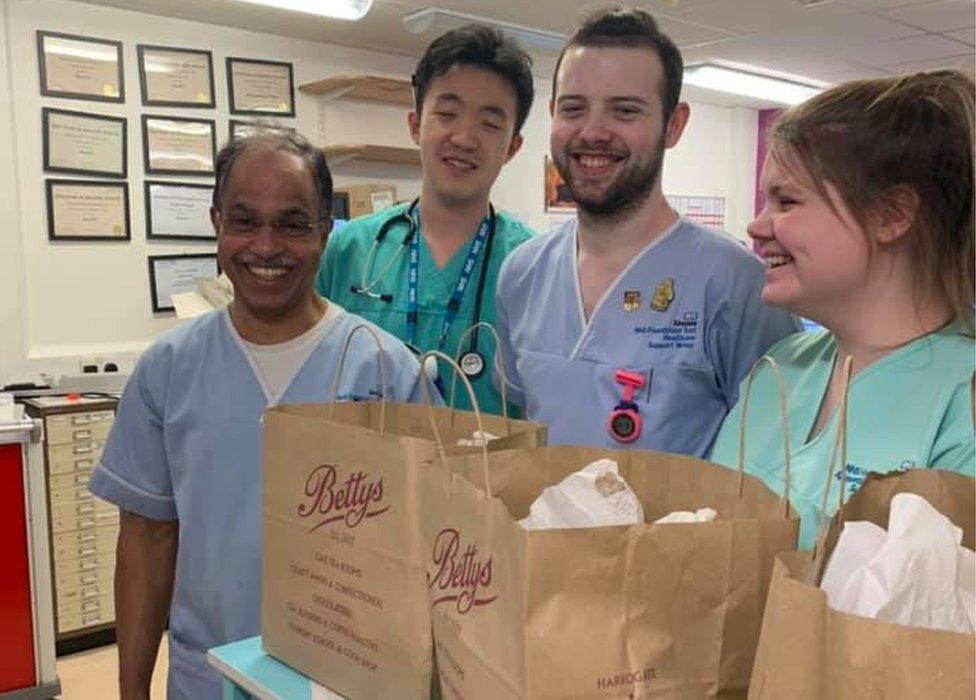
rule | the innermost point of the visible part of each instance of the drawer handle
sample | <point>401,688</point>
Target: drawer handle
<point>86,508</point>
<point>87,537</point>
<point>88,579</point>
<point>89,565</point>
<point>81,420</point>
<point>81,434</point>
<point>83,463</point>
<point>91,619</point>
<point>82,478</point>
<point>87,551</point>
<point>82,450</point>
<point>82,494</point>
<point>92,592</point>
<point>87,522</point>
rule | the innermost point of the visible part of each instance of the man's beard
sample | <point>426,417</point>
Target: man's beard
<point>626,192</point>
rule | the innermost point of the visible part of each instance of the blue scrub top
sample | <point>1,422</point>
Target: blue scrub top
<point>186,445</point>
<point>685,315</point>
<point>910,409</point>
<point>342,268</point>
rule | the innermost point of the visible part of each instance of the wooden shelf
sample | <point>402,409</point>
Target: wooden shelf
<point>371,88</point>
<point>369,152</point>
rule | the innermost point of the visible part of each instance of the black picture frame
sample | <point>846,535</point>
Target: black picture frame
<point>46,113</point>
<point>147,101</point>
<point>51,183</point>
<point>48,91</point>
<point>150,235</point>
<point>146,118</point>
<point>230,61</point>
<point>153,259</point>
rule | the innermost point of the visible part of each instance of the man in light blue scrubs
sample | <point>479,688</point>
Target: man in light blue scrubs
<point>183,459</point>
<point>427,271</point>
<point>629,326</point>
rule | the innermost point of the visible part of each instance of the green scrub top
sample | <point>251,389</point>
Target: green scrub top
<point>910,409</point>
<point>342,268</point>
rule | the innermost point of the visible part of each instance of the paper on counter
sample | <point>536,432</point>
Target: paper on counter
<point>915,574</point>
<point>320,692</point>
<point>595,496</point>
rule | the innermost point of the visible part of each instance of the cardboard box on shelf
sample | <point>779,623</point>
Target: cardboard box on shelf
<point>366,199</point>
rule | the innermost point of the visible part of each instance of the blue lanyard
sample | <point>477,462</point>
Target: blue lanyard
<point>413,271</point>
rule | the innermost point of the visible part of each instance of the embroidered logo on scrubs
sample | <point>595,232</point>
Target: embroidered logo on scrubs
<point>460,577</point>
<point>354,500</point>
<point>631,300</point>
<point>663,295</point>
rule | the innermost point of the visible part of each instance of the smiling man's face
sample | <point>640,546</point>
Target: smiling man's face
<point>466,133</point>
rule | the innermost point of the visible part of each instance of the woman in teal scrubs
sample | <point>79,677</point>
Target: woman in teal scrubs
<point>868,231</point>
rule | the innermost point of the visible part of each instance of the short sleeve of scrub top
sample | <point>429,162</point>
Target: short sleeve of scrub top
<point>134,466</point>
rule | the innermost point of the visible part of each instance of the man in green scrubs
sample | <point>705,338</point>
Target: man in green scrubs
<point>431,273</point>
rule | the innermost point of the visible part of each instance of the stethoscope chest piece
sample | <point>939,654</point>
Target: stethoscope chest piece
<point>472,364</point>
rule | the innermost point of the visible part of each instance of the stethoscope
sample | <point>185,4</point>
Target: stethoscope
<point>472,362</point>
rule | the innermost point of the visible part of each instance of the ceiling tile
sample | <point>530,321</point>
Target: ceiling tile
<point>879,5</point>
<point>939,16</point>
<point>963,63</point>
<point>690,34</point>
<point>886,53</point>
<point>967,36</point>
<point>858,74</point>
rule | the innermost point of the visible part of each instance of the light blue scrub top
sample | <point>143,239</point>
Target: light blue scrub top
<point>909,409</point>
<point>186,445</point>
<point>342,268</point>
<point>685,314</point>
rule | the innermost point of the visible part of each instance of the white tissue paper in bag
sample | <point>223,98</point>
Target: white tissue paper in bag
<point>595,496</point>
<point>477,439</point>
<point>915,574</point>
<point>702,515</point>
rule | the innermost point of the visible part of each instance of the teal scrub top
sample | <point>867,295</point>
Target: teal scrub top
<point>910,409</point>
<point>342,268</point>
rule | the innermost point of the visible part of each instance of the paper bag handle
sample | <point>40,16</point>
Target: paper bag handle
<point>474,405</point>
<point>380,366</point>
<point>784,424</point>
<point>839,447</point>
<point>499,362</point>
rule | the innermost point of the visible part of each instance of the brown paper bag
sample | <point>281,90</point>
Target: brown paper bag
<point>343,589</point>
<point>809,652</point>
<point>616,612</point>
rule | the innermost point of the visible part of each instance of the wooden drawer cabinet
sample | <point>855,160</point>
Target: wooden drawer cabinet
<point>83,529</point>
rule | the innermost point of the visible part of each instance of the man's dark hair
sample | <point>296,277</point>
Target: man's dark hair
<point>481,47</point>
<point>632,28</point>
<point>285,140</point>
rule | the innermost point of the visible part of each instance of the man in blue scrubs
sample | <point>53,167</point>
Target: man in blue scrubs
<point>629,325</point>
<point>183,459</point>
<point>432,273</point>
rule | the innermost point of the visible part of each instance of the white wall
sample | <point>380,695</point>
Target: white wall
<point>61,302</point>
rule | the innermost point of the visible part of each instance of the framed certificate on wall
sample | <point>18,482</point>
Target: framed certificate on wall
<point>84,144</point>
<point>80,67</point>
<point>179,211</point>
<point>171,77</point>
<point>173,274</point>
<point>177,145</point>
<point>87,210</point>
<point>260,87</point>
